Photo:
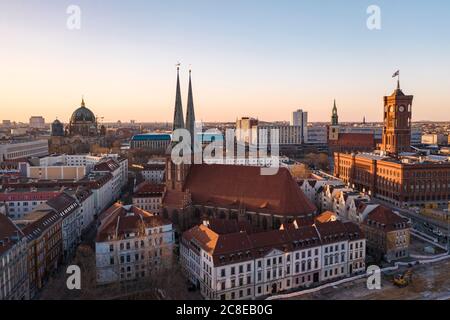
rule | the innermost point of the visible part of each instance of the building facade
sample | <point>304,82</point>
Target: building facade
<point>234,264</point>
<point>148,197</point>
<point>131,244</point>
<point>21,150</point>
<point>388,234</point>
<point>394,173</point>
<point>13,262</point>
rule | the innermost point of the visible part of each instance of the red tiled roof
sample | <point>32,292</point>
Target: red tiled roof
<point>354,140</point>
<point>232,185</point>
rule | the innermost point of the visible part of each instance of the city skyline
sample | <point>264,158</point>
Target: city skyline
<point>123,61</point>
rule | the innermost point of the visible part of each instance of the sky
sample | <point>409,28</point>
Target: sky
<point>262,58</point>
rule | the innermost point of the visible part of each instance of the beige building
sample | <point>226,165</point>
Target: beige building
<point>388,234</point>
<point>56,172</point>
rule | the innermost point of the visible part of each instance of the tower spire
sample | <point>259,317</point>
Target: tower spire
<point>82,102</point>
<point>190,114</point>
<point>334,116</point>
<point>178,121</point>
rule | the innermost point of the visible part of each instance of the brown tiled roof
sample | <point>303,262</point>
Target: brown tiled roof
<point>241,246</point>
<point>333,231</point>
<point>154,167</point>
<point>8,232</point>
<point>384,218</point>
<point>232,186</point>
<point>64,204</point>
<point>146,189</point>
<point>109,165</point>
<point>224,226</point>
<point>119,220</point>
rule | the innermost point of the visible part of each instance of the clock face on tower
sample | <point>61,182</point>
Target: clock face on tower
<point>401,109</point>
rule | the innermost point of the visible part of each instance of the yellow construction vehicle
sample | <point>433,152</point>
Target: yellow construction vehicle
<point>403,279</point>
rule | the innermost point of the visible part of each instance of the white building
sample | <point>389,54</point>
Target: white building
<point>227,261</point>
<point>69,209</point>
<point>131,243</point>
<point>317,135</point>
<point>13,262</point>
<point>18,149</point>
<point>288,135</point>
<point>148,197</point>
<point>153,173</point>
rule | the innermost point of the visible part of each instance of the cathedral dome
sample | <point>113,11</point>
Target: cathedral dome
<point>83,122</point>
<point>82,114</point>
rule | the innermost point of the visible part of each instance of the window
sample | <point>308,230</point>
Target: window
<point>232,270</point>
<point>222,272</point>
<point>111,248</point>
<point>249,267</point>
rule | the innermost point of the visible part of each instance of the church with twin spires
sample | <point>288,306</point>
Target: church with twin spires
<point>197,192</point>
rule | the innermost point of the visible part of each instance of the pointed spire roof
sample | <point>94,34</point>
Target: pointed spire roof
<point>178,121</point>
<point>334,116</point>
<point>190,114</point>
<point>82,102</point>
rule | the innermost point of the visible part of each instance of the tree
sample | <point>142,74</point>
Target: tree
<point>300,171</point>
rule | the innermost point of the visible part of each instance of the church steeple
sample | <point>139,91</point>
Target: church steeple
<point>334,116</point>
<point>190,114</point>
<point>178,121</point>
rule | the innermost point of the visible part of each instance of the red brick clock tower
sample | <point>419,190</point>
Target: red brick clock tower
<point>397,123</point>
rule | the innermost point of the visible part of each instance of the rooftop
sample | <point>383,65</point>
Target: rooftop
<point>152,136</point>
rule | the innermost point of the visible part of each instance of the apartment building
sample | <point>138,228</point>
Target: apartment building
<point>131,243</point>
<point>13,261</point>
<point>388,234</point>
<point>21,201</point>
<point>44,247</point>
<point>237,263</point>
<point>148,197</point>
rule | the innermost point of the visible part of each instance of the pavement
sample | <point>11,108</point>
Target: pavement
<point>429,282</point>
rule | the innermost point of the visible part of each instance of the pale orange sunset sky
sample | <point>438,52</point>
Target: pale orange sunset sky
<point>249,58</point>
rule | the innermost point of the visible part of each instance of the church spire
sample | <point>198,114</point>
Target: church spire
<point>334,116</point>
<point>178,121</point>
<point>190,114</point>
